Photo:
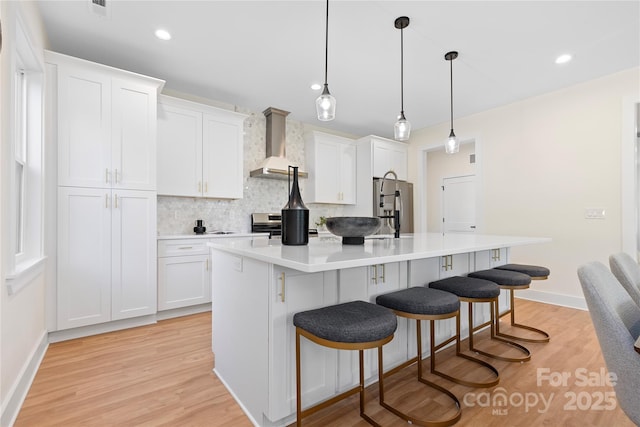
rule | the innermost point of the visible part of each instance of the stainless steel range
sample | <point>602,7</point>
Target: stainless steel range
<point>271,223</point>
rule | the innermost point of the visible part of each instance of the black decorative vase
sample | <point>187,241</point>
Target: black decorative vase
<point>295,216</point>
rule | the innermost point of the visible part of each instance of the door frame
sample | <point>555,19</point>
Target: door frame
<point>420,189</point>
<point>630,152</point>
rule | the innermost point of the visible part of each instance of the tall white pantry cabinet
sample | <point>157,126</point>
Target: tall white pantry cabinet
<point>106,142</point>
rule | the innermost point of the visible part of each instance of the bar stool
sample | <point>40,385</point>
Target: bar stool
<point>356,325</point>
<point>473,290</point>
<point>513,277</point>
<point>422,303</point>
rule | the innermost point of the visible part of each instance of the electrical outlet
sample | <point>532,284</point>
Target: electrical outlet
<point>594,213</point>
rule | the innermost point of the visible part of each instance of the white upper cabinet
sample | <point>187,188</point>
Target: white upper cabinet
<point>200,150</point>
<point>106,125</point>
<point>389,156</point>
<point>179,150</point>
<point>331,161</point>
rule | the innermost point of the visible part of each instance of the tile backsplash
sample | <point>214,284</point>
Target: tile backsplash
<point>177,215</point>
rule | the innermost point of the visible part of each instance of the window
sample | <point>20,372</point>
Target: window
<point>25,197</point>
<point>20,155</point>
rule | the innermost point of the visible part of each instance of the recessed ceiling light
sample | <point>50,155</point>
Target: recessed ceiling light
<point>163,34</point>
<point>563,59</point>
<point>316,86</point>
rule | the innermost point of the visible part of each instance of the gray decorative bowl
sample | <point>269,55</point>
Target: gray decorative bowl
<point>352,229</point>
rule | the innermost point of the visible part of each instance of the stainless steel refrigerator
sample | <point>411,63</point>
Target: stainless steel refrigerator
<point>405,202</point>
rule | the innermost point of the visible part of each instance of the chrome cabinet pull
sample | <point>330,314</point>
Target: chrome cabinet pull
<point>106,175</point>
<point>116,175</point>
<point>383,274</point>
<point>185,247</point>
<point>375,274</point>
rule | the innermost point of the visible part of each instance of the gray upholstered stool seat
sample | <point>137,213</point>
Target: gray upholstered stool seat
<point>351,322</point>
<point>355,325</point>
<point>503,277</point>
<point>478,290</point>
<point>534,271</point>
<point>513,277</point>
<point>465,287</point>
<point>420,300</point>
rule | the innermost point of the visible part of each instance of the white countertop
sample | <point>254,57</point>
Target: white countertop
<point>328,253</point>
<point>211,236</point>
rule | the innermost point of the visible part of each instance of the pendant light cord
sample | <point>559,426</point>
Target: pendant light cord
<point>451,86</point>
<point>402,72</point>
<point>326,45</point>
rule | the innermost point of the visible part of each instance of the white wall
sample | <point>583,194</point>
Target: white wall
<point>22,315</point>
<point>544,160</point>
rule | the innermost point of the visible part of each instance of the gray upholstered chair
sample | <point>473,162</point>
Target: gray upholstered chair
<point>616,319</point>
<point>627,271</point>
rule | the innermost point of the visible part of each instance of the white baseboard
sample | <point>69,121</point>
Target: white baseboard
<point>15,397</point>
<point>552,298</point>
<point>85,331</point>
<point>183,311</point>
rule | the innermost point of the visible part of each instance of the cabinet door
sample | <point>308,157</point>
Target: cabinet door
<point>179,151</point>
<point>389,155</point>
<point>327,178</point>
<point>348,174</point>
<point>183,281</point>
<point>385,278</point>
<point>84,257</point>
<point>133,242</point>
<point>292,292</point>
<point>454,265</point>
<point>84,127</point>
<point>133,136</point>
<point>222,157</point>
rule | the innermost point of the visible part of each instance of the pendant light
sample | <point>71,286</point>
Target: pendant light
<point>402,128</point>
<point>452,145</point>
<point>326,104</point>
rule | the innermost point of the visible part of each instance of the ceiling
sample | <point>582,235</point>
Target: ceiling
<point>256,54</point>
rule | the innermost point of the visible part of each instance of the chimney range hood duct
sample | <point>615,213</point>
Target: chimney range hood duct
<point>276,165</point>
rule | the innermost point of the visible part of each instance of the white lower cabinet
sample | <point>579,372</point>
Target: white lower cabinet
<point>184,273</point>
<point>106,255</point>
<point>291,292</point>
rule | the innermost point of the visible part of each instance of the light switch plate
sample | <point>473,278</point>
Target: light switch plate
<point>594,213</point>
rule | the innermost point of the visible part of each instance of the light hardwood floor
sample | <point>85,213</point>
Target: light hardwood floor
<point>160,375</point>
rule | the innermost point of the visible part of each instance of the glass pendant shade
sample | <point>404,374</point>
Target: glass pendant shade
<point>402,128</point>
<point>452,145</point>
<point>326,105</point>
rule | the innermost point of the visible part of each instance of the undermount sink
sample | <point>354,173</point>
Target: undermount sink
<point>353,229</point>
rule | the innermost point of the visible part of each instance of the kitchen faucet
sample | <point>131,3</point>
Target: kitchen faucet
<point>396,206</point>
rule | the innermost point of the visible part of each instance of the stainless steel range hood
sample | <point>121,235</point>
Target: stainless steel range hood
<point>276,165</point>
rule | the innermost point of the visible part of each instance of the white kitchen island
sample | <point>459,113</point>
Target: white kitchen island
<point>258,285</point>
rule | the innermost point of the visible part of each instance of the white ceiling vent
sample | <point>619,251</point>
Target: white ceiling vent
<point>102,8</point>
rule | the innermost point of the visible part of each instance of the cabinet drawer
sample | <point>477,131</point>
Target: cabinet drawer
<point>182,247</point>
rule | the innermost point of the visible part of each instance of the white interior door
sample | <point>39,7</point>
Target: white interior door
<point>459,204</point>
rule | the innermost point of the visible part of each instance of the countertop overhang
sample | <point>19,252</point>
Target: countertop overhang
<point>328,253</point>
